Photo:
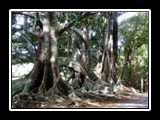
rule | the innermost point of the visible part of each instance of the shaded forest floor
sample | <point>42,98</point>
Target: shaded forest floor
<point>131,100</point>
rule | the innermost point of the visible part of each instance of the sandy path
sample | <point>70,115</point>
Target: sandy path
<point>136,101</point>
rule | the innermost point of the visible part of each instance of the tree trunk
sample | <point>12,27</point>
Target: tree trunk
<point>82,53</point>
<point>127,59</point>
<point>45,74</point>
<point>106,68</point>
<point>142,85</point>
<point>115,47</point>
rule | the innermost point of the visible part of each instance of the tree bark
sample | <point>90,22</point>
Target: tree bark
<point>115,47</point>
<point>45,74</point>
<point>127,59</point>
<point>106,68</point>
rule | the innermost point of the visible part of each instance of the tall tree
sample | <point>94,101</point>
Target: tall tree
<point>45,74</point>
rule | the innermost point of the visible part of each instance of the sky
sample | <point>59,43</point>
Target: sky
<point>126,15</point>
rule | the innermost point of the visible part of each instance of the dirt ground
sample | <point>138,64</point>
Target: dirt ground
<point>133,100</point>
<point>137,100</point>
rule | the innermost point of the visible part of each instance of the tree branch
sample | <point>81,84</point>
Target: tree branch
<point>30,46</point>
<point>70,24</point>
<point>21,56</point>
<point>21,13</point>
<point>81,35</point>
<point>14,29</point>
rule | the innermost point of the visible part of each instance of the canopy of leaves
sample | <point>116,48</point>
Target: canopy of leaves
<point>133,38</point>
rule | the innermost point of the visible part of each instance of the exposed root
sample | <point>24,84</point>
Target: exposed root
<point>19,85</point>
<point>76,99</point>
<point>123,90</point>
<point>28,100</point>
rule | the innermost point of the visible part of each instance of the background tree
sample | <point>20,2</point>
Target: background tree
<point>134,36</point>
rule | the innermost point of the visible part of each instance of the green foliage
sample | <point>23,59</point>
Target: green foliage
<point>134,36</point>
<point>62,44</point>
<point>13,19</point>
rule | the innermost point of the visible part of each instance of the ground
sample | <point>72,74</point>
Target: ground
<point>136,100</point>
<point>139,100</point>
<point>132,100</point>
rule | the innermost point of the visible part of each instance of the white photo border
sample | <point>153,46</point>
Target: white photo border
<point>79,109</point>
